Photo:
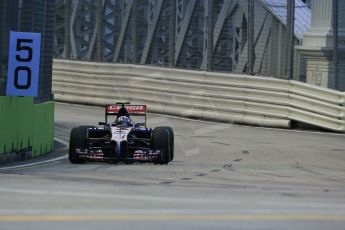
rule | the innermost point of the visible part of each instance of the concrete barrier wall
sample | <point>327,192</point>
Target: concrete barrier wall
<point>43,128</point>
<point>224,97</point>
<point>25,125</point>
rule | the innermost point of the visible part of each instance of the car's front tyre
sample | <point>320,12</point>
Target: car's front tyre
<point>163,140</point>
<point>77,140</point>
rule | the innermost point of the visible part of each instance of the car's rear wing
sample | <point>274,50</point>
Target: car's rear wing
<point>133,110</point>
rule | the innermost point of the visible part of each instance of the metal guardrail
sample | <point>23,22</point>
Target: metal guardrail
<point>224,97</point>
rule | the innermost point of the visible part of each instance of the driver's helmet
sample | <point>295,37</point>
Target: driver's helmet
<point>123,121</point>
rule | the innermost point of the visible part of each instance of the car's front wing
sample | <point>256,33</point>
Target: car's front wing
<point>100,155</point>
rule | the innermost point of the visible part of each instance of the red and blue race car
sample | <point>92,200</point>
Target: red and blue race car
<point>122,140</point>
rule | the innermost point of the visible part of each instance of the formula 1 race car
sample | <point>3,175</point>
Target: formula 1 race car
<point>122,140</point>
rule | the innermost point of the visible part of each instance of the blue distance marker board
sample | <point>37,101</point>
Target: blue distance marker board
<point>23,64</point>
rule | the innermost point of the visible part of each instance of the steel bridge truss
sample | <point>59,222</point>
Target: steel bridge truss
<point>194,34</point>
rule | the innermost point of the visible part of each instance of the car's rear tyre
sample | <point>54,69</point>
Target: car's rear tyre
<point>163,140</point>
<point>77,140</point>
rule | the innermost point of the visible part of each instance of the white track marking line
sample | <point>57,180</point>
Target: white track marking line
<point>81,194</point>
<point>34,164</point>
<point>171,218</point>
<point>152,211</point>
<point>38,162</point>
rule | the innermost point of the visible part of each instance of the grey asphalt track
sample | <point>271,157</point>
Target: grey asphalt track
<point>223,177</point>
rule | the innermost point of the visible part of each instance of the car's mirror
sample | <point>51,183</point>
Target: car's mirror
<point>101,123</point>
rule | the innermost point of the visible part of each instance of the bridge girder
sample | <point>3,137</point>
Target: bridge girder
<point>205,35</point>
